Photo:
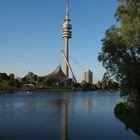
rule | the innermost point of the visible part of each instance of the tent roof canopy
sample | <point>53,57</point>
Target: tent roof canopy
<point>57,74</point>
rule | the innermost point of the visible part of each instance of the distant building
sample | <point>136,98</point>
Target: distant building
<point>29,87</point>
<point>88,76</point>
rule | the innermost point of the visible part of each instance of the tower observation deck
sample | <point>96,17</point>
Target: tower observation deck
<point>67,34</point>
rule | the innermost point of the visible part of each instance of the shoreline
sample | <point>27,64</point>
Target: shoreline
<point>128,116</point>
<point>2,92</point>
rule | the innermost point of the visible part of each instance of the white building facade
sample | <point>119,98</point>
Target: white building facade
<point>88,76</point>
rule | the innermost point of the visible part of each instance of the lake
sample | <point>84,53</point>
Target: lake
<point>62,116</point>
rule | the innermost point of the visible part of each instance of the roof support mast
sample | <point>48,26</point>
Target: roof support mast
<point>73,75</point>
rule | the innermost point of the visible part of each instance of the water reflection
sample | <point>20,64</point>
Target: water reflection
<point>66,103</point>
<point>64,119</point>
<point>61,116</point>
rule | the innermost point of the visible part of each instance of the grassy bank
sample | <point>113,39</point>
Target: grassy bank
<point>128,115</point>
<point>5,88</point>
<point>55,90</point>
<point>8,85</point>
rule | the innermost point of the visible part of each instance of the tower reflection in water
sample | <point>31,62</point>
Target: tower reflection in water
<point>69,106</point>
<point>64,131</point>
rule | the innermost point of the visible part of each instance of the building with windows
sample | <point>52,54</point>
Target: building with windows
<point>88,76</point>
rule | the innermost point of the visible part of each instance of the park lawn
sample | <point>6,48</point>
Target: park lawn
<point>6,85</point>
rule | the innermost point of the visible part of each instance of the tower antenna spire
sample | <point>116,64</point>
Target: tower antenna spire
<point>67,9</point>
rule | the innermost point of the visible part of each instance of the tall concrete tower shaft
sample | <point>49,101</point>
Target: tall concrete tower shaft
<point>66,35</point>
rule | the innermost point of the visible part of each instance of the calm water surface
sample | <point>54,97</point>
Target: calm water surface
<point>62,116</point>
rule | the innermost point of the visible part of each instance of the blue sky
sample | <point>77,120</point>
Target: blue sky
<point>30,35</point>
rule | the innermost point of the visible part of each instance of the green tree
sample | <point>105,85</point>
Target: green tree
<point>11,76</point>
<point>84,85</point>
<point>108,83</point>
<point>99,85</point>
<point>4,76</point>
<point>121,48</point>
<point>48,81</point>
<point>30,77</point>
